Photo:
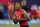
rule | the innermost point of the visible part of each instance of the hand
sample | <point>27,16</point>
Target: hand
<point>14,18</point>
<point>18,18</point>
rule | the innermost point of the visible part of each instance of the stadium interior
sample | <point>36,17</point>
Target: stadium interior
<point>32,7</point>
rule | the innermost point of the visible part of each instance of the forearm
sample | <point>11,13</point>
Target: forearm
<point>22,19</point>
<point>25,19</point>
<point>25,15</point>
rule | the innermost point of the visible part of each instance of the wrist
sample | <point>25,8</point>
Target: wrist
<point>19,19</point>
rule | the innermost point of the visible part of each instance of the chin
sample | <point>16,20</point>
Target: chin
<point>17,9</point>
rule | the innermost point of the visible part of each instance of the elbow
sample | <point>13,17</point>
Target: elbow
<point>28,19</point>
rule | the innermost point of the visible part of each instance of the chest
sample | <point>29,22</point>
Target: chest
<point>19,15</point>
<point>9,6</point>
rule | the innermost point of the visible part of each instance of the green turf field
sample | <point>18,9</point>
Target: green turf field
<point>17,25</point>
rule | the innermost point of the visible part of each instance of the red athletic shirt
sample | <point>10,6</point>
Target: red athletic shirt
<point>10,8</point>
<point>22,23</point>
<point>38,14</point>
<point>34,12</point>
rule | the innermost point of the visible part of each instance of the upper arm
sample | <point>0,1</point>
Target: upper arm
<point>24,13</point>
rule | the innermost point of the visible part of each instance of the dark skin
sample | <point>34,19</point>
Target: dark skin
<point>25,15</point>
<point>15,20</point>
<point>17,6</point>
<point>18,19</point>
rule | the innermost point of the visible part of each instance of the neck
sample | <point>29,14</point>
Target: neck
<point>18,10</point>
<point>9,4</point>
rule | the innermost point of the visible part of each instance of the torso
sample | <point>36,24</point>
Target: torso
<point>21,16</point>
<point>10,8</point>
<point>38,14</point>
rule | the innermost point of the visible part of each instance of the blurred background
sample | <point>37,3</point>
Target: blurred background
<point>32,7</point>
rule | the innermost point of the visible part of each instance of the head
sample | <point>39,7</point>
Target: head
<point>9,3</point>
<point>17,5</point>
<point>23,2</point>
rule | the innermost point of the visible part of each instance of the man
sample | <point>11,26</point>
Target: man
<point>38,13</point>
<point>10,11</point>
<point>34,11</point>
<point>21,16</point>
<point>24,5</point>
<point>1,11</point>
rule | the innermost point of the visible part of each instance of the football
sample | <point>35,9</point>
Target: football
<point>15,20</point>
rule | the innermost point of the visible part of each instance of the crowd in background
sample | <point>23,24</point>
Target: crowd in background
<point>33,12</point>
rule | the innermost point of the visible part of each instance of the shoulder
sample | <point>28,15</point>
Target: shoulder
<point>23,11</point>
